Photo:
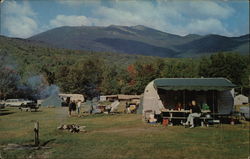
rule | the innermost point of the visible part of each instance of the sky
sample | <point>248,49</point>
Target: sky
<point>25,18</point>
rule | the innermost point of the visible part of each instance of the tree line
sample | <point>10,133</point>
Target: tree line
<point>94,76</point>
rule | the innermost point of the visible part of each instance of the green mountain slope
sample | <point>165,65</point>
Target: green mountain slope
<point>33,56</point>
<point>139,40</point>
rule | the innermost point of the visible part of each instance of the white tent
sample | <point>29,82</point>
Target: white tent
<point>151,99</point>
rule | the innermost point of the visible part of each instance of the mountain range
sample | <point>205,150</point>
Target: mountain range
<point>140,40</point>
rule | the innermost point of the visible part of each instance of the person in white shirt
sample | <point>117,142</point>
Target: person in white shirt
<point>78,107</point>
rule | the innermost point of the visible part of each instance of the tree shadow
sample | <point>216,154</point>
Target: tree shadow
<point>5,112</point>
<point>48,141</point>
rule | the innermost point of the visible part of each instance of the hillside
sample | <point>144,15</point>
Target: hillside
<point>93,73</point>
<point>140,40</point>
<point>29,55</point>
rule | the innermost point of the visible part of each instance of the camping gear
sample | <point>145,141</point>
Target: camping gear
<point>114,106</point>
<point>73,128</point>
<point>205,107</point>
<point>132,108</point>
<point>165,122</point>
<point>241,99</point>
<point>152,119</point>
<point>208,116</point>
<point>245,111</point>
<point>87,107</point>
<point>146,114</point>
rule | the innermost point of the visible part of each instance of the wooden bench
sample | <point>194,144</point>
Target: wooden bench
<point>204,120</point>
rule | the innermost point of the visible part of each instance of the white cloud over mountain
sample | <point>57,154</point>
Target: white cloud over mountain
<point>19,19</point>
<point>62,20</point>
<point>176,17</point>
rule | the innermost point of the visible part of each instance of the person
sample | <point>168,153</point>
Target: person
<point>195,111</point>
<point>188,107</point>
<point>178,106</point>
<point>78,107</point>
<point>70,107</point>
<point>74,105</point>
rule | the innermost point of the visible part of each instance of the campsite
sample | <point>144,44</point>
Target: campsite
<point>131,126</point>
<point>117,136</point>
<point>124,79</point>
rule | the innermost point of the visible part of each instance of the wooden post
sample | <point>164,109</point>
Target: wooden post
<point>36,131</point>
<point>184,99</point>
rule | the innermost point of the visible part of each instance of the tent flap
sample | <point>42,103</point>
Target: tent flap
<point>196,84</point>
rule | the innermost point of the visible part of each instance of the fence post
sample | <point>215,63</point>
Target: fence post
<point>36,131</point>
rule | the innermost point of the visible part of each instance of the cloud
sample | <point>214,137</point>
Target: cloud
<point>176,17</point>
<point>22,26</point>
<point>73,20</point>
<point>211,26</point>
<point>78,3</point>
<point>210,9</point>
<point>19,19</point>
<point>72,2</point>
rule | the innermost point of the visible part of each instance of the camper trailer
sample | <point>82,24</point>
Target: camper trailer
<point>75,97</point>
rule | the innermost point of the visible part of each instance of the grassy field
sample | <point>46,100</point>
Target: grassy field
<point>121,136</point>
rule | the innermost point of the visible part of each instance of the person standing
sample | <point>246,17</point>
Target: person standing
<point>78,107</point>
<point>195,111</point>
<point>70,107</point>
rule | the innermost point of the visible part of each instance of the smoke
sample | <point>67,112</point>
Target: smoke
<point>37,87</point>
<point>14,86</point>
<point>49,91</point>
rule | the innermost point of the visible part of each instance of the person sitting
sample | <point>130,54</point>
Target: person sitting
<point>178,106</point>
<point>195,111</point>
<point>188,107</point>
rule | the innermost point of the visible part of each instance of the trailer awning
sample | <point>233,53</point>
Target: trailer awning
<point>197,84</point>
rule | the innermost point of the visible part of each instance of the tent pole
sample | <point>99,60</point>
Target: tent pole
<point>184,99</point>
<point>213,104</point>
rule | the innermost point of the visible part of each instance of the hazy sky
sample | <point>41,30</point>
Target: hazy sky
<point>24,18</point>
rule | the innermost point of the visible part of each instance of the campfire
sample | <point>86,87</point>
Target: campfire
<point>73,128</point>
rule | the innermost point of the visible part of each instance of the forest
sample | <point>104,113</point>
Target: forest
<point>32,70</point>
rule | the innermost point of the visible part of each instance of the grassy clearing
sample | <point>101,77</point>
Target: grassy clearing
<point>121,136</point>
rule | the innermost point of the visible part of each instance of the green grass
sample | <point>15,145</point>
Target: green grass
<point>121,136</point>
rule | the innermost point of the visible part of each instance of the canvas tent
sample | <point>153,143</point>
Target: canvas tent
<point>52,101</point>
<point>240,99</point>
<point>166,92</point>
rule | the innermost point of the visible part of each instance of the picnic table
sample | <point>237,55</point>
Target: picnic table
<point>29,107</point>
<point>182,114</point>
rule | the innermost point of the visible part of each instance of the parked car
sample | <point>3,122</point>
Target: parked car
<point>16,102</point>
